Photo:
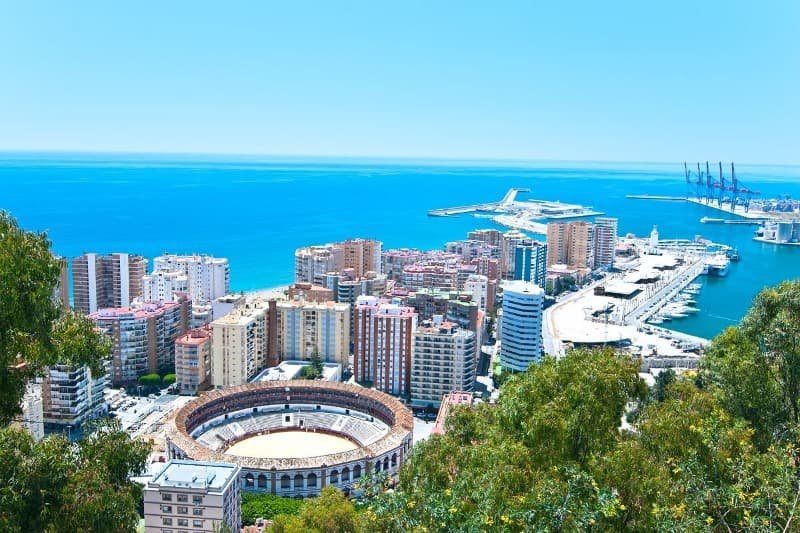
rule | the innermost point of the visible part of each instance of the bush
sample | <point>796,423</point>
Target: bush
<point>267,506</point>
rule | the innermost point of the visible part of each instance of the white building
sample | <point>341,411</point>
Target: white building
<point>521,325</point>
<point>208,277</point>
<point>239,345</point>
<point>605,242</point>
<point>307,326</point>
<point>508,244</point>
<point>193,496</point>
<point>478,286</point>
<point>161,285</point>
<point>313,262</point>
<point>71,397</point>
<point>444,361</point>
<point>31,417</point>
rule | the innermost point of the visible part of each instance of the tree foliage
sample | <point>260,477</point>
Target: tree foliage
<point>267,506</point>
<point>54,485</point>
<point>34,332</point>
<point>331,512</point>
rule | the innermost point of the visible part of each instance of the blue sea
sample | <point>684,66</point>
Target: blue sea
<point>256,211</point>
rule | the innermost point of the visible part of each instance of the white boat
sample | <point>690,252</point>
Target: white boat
<point>718,265</point>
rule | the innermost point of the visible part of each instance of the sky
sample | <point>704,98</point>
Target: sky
<point>614,80</point>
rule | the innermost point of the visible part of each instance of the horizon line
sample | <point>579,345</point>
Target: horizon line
<point>330,157</point>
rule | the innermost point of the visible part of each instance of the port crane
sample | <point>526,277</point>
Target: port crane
<point>706,188</point>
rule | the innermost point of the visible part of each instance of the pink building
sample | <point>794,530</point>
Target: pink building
<point>383,345</point>
<point>143,337</point>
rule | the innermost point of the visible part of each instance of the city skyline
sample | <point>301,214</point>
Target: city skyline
<point>450,81</point>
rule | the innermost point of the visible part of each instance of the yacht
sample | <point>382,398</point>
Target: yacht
<point>718,265</point>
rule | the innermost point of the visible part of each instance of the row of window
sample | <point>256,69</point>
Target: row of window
<point>182,498</point>
<point>182,522</point>
<point>182,510</point>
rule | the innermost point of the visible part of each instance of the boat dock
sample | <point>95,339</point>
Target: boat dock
<point>658,296</point>
<point>506,201</point>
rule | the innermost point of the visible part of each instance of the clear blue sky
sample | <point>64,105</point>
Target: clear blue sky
<point>596,80</point>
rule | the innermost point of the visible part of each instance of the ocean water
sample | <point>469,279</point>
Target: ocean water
<point>256,211</point>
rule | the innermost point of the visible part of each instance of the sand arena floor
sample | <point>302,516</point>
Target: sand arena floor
<point>290,444</point>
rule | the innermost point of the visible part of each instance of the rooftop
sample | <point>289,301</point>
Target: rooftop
<point>195,475</point>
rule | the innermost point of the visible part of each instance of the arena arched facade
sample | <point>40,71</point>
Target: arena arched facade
<point>379,427</point>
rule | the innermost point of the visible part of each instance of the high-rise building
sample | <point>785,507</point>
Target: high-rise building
<point>106,281</point>
<point>570,243</point>
<point>521,325</point>
<point>605,242</point>
<point>32,414</point>
<point>362,255</point>
<point>240,344</point>
<point>310,293</point>
<point>164,285</point>
<point>384,345</point>
<point>491,237</point>
<point>207,277</point>
<point>581,244</point>
<point>313,262</point>
<point>394,261</point>
<point>304,327</point>
<point>143,336</point>
<point>445,359</point>
<point>193,360</point>
<point>422,276</point>
<point>478,287</point>
<point>557,243</point>
<point>61,293</point>
<point>530,263</point>
<point>195,496</point>
<point>508,243</point>
<point>72,396</point>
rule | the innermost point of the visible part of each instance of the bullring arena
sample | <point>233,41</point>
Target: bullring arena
<point>292,438</point>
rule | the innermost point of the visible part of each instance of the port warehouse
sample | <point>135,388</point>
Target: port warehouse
<point>350,410</point>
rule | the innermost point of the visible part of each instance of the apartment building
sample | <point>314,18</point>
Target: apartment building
<point>445,360</point>
<point>101,281</point>
<point>164,285</point>
<point>240,344</point>
<point>605,242</point>
<point>143,336</point>
<point>521,325</point>
<point>384,344</point>
<point>193,360</point>
<point>207,277</point>
<point>530,263</point>
<point>71,396</point>
<point>305,326</point>
<point>491,237</point>
<point>362,255</point>
<point>508,244</point>
<point>311,263</point>
<point>194,496</point>
<point>570,243</point>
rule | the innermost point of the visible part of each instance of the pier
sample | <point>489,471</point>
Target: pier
<point>505,202</point>
<point>655,197</point>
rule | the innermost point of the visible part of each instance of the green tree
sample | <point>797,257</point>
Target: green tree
<point>267,506</point>
<point>150,382</point>
<point>331,512</point>
<point>168,379</point>
<point>34,332</point>
<point>53,485</point>
<point>663,380</point>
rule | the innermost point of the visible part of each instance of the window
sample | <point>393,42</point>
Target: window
<point>166,497</point>
<point>197,523</point>
<point>183,510</point>
<point>183,498</point>
<point>165,520</point>
<point>197,512</point>
<point>197,500</point>
<point>183,522</point>
<point>166,508</point>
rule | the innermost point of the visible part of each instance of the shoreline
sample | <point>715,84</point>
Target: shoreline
<point>279,290</point>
